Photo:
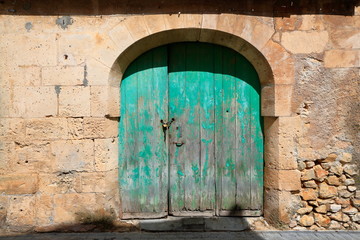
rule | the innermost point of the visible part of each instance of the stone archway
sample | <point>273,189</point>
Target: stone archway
<point>275,69</point>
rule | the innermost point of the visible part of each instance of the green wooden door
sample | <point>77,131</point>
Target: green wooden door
<point>209,161</point>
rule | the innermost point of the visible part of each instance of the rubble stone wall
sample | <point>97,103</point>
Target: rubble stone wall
<point>59,110</point>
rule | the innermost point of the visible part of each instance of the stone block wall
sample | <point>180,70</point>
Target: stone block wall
<point>59,104</point>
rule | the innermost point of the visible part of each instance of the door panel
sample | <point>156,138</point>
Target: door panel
<point>211,162</point>
<point>143,159</point>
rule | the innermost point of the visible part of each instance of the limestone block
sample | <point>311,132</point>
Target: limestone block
<point>155,23</point>
<point>6,153</point>
<point>74,47</point>
<point>50,184</point>
<point>75,128</point>
<point>279,143</point>
<point>342,58</point>
<point>121,36</point>
<point>322,220</point>
<point>4,204</point>
<point>97,73</point>
<point>99,101</point>
<point>21,211</point>
<point>68,205</point>
<point>6,106</point>
<point>12,128</point>
<point>73,155</point>
<point>288,180</point>
<point>305,42</point>
<point>19,184</point>
<point>311,22</point>
<point>74,101</point>
<point>97,182</point>
<point>63,75</point>
<point>114,102</point>
<point>106,154</point>
<point>276,100</point>
<point>35,101</point>
<point>46,128</point>
<point>44,206</point>
<point>100,128</point>
<point>31,49</point>
<point>290,23</point>
<point>31,156</point>
<point>136,27</point>
<point>345,38</point>
<point>20,75</point>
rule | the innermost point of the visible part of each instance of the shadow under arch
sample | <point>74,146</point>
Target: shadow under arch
<point>244,48</point>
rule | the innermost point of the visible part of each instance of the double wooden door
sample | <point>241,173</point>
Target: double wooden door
<point>190,134</point>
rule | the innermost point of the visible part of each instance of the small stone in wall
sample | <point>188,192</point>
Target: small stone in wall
<point>336,168</point>
<point>334,225</point>
<point>331,158</point>
<point>314,203</point>
<point>342,201</point>
<point>345,193</point>
<point>301,166</point>
<point>320,173</point>
<point>307,221</point>
<point>308,194</point>
<point>346,158</point>
<point>350,169</point>
<point>310,184</point>
<point>308,174</point>
<point>356,217</point>
<point>335,207</point>
<point>304,210</point>
<point>322,209</point>
<point>339,216</point>
<point>322,220</point>
<point>326,166</point>
<point>332,180</point>
<point>357,194</point>
<point>309,164</point>
<point>325,201</point>
<point>349,181</point>
<point>351,188</point>
<point>326,191</point>
<point>350,210</point>
<point>355,203</point>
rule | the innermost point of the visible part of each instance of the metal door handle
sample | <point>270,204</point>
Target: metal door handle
<point>178,144</point>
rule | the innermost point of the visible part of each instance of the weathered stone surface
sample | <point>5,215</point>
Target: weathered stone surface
<point>46,129</point>
<point>310,184</point>
<point>100,128</point>
<point>355,203</point>
<point>307,221</point>
<point>322,220</point>
<point>304,210</point>
<point>335,207</point>
<point>322,209</point>
<point>345,193</point>
<point>313,203</point>
<point>74,101</point>
<point>350,169</point>
<point>351,188</point>
<point>346,158</point>
<point>350,210</point>
<point>342,201</point>
<point>320,173</point>
<point>308,174</point>
<point>326,191</point>
<point>336,168</point>
<point>341,58</point>
<point>309,164</point>
<point>355,217</point>
<point>19,184</point>
<point>334,225</point>
<point>301,166</point>
<point>305,42</point>
<point>348,182</point>
<point>21,211</point>
<point>106,154</point>
<point>73,155</point>
<point>332,180</point>
<point>330,158</point>
<point>309,194</point>
<point>63,75</point>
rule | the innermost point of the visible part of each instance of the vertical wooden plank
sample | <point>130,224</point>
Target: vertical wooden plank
<point>129,169</point>
<point>219,152</point>
<point>192,130</point>
<point>229,131</point>
<point>177,107</point>
<point>143,149</point>
<point>207,126</point>
<point>243,133</point>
